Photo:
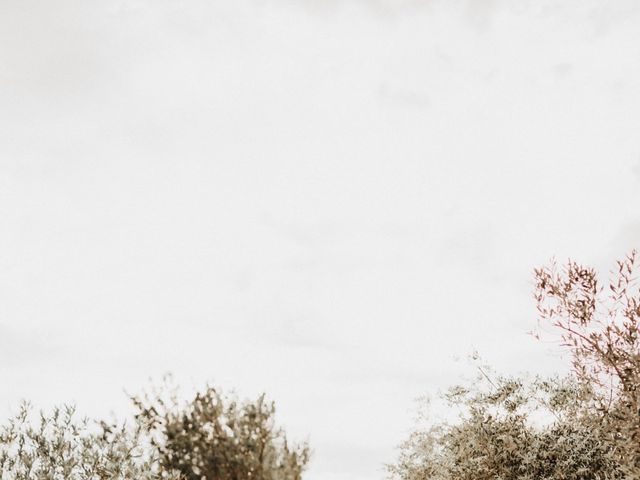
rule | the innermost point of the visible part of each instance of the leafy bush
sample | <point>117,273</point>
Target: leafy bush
<point>602,332</point>
<point>511,429</point>
<point>216,437</point>
<point>60,447</point>
<point>212,437</point>
<point>592,418</point>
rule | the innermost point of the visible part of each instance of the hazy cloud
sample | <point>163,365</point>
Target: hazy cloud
<point>329,201</point>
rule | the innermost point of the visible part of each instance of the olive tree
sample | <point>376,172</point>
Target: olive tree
<point>59,446</point>
<point>600,327</point>
<point>509,428</point>
<point>590,428</point>
<point>217,437</point>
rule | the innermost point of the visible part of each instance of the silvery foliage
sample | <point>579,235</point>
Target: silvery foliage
<point>512,429</point>
<point>592,430</point>
<point>217,437</point>
<point>59,446</point>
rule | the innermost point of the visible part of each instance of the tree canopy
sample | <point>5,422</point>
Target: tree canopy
<point>582,427</point>
<point>211,437</point>
<point>217,437</point>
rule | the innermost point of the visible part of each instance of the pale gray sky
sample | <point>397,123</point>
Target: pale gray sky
<point>328,200</point>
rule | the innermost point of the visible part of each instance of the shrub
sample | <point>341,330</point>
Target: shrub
<point>512,429</point>
<point>216,437</point>
<point>58,446</point>
<point>592,418</point>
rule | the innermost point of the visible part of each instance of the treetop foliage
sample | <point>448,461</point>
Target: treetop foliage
<point>217,437</point>
<point>592,427</point>
<point>59,446</point>
<point>212,437</point>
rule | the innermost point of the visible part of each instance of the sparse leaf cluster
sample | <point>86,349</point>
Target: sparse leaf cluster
<point>601,329</point>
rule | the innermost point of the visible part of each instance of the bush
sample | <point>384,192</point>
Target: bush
<point>512,429</point>
<point>592,418</point>
<point>601,328</point>
<point>58,446</point>
<point>216,437</point>
<point>212,437</point>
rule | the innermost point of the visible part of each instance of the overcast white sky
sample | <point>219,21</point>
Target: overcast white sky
<point>328,200</point>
